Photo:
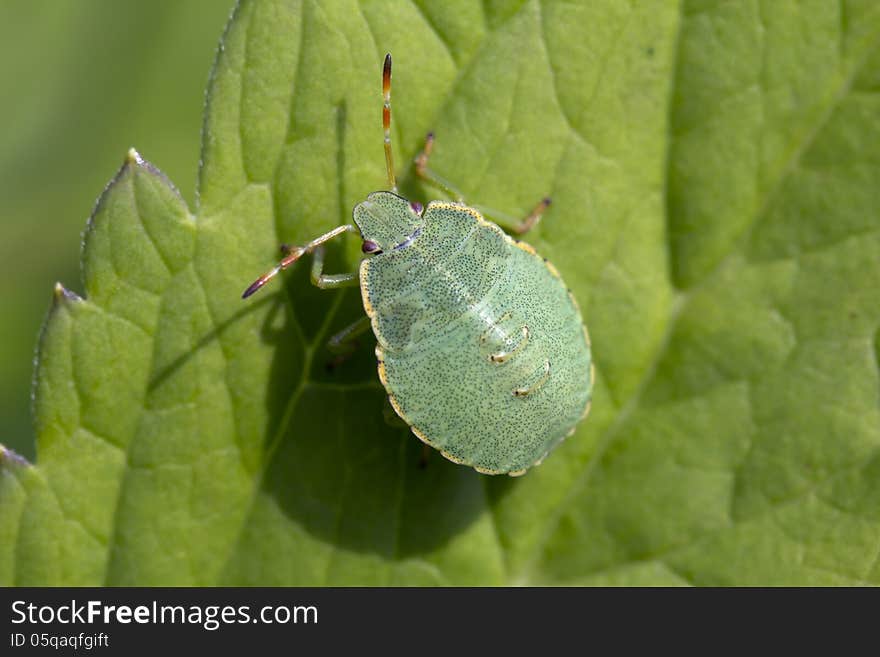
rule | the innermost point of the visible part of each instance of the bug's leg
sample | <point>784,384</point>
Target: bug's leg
<point>329,281</point>
<point>519,227</point>
<point>347,337</point>
<point>344,343</point>
<point>532,218</point>
<point>513,225</point>
<point>426,174</point>
<point>295,253</point>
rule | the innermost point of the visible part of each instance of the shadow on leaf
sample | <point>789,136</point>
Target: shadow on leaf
<point>336,466</point>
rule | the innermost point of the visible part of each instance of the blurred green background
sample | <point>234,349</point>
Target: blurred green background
<point>83,81</point>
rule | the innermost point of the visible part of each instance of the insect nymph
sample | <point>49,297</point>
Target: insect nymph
<point>480,346</point>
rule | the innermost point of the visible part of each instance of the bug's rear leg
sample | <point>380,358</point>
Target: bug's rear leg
<point>531,219</point>
<point>343,344</point>
<point>513,225</point>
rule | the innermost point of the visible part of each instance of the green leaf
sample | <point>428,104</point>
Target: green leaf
<point>715,173</point>
<point>54,81</point>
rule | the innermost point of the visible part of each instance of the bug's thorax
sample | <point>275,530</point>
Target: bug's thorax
<point>388,221</point>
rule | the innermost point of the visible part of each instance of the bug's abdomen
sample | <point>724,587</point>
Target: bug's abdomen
<point>503,377</point>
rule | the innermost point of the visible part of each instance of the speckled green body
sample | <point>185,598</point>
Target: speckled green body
<point>481,347</point>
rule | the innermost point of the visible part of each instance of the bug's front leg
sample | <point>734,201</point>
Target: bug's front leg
<point>329,281</point>
<point>520,227</point>
<point>294,253</point>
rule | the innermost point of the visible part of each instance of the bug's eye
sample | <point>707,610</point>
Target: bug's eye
<point>416,207</point>
<point>369,246</point>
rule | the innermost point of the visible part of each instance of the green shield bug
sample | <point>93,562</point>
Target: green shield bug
<point>480,345</point>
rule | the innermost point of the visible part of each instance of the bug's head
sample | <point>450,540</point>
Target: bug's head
<point>386,220</point>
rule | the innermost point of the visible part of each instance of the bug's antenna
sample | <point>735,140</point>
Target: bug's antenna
<point>294,255</point>
<point>386,121</point>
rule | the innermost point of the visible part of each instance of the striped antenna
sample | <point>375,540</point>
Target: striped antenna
<point>386,121</point>
<point>295,254</point>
